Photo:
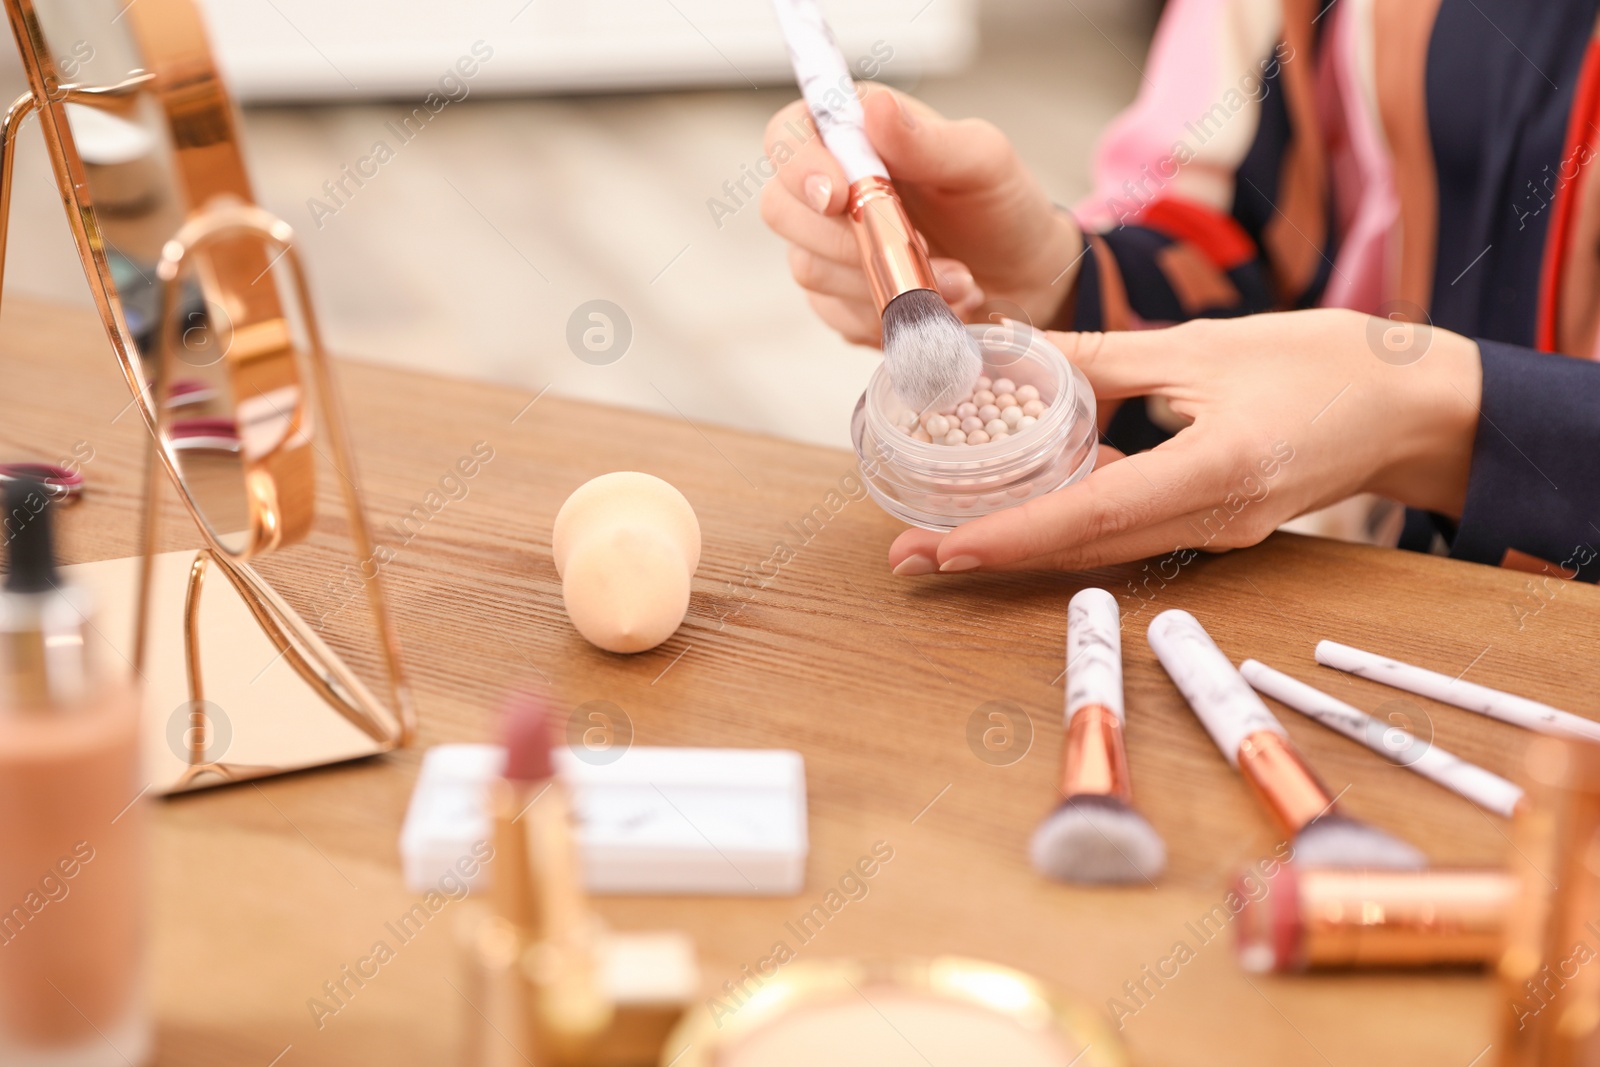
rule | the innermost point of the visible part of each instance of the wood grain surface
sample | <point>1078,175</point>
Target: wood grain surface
<point>262,892</point>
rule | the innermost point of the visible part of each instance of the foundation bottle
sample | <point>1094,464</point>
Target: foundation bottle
<point>72,847</point>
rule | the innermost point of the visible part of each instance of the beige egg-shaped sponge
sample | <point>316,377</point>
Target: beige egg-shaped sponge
<point>626,545</point>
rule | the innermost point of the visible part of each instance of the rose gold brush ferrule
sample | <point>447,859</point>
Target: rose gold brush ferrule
<point>890,250</point>
<point>1094,761</point>
<point>1282,781</point>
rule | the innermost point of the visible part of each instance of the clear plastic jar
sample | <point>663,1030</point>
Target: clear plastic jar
<point>938,486</point>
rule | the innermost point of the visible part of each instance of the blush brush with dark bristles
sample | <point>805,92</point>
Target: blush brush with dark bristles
<point>931,358</point>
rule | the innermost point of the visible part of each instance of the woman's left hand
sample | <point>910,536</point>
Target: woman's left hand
<point>1289,412</point>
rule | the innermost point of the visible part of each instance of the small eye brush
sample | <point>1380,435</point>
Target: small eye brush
<point>930,356</point>
<point>1255,742</point>
<point>1095,835</point>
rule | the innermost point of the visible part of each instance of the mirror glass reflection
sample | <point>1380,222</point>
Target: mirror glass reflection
<point>124,143</point>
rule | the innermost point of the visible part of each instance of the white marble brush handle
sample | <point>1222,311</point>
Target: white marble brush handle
<point>829,90</point>
<point>1483,788</point>
<point>1222,700</point>
<point>1519,711</point>
<point>1094,652</point>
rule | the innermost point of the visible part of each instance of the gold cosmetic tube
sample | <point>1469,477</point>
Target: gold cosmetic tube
<point>1299,919</point>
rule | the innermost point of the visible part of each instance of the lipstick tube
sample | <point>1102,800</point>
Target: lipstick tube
<point>1300,919</point>
<point>1247,734</point>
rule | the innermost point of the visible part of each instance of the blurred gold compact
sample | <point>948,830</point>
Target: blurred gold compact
<point>949,1010</point>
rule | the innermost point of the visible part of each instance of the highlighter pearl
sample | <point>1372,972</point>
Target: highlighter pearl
<point>1003,385</point>
<point>981,417</point>
<point>626,546</point>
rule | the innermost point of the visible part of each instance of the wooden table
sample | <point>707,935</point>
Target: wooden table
<point>262,892</point>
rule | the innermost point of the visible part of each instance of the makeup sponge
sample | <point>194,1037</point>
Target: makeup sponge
<point>626,545</point>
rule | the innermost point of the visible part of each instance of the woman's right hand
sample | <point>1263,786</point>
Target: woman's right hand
<point>992,233</point>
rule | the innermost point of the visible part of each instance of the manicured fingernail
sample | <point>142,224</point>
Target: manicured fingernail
<point>915,564</point>
<point>819,190</point>
<point>959,563</point>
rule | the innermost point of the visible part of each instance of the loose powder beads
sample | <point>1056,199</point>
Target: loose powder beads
<point>994,410</point>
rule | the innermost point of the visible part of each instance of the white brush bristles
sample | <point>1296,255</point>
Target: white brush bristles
<point>1335,840</point>
<point>932,360</point>
<point>1097,840</point>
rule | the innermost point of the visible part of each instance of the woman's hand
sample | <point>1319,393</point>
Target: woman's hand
<point>992,232</point>
<point>1290,412</point>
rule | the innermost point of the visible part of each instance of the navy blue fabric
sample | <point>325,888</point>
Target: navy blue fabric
<point>1501,75</point>
<point>1535,481</point>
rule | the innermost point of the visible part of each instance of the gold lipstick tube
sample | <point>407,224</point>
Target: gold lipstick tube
<point>1094,761</point>
<point>891,251</point>
<point>1281,780</point>
<point>1299,919</point>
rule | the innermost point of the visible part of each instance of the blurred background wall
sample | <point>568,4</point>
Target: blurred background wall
<point>580,161</point>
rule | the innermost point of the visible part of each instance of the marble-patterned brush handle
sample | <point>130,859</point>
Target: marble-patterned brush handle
<point>1222,700</point>
<point>1094,652</point>
<point>1507,707</point>
<point>829,90</point>
<point>1483,788</point>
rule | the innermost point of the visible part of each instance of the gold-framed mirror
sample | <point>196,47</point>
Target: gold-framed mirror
<point>210,319</point>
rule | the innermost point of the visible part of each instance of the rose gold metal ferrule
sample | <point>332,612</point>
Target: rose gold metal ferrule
<point>1094,761</point>
<point>1402,918</point>
<point>891,253</point>
<point>1281,780</point>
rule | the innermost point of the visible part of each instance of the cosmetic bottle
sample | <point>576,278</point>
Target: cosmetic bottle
<point>71,821</point>
<point>938,486</point>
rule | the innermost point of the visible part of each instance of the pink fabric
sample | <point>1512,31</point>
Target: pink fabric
<point>1190,66</point>
<point>1367,202</point>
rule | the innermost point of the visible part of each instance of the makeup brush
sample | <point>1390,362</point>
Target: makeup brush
<point>1251,739</point>
<point>1095,835</point>
<point>1483,788</point>
<point>1469,696</point>
<point>930,356</point>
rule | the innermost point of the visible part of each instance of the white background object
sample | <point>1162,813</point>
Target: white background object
<point>310,49</point>
<point>656,820</point>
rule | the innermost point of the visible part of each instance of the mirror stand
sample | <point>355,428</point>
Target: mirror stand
<point>296,741</point>
<point>298,643</point>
